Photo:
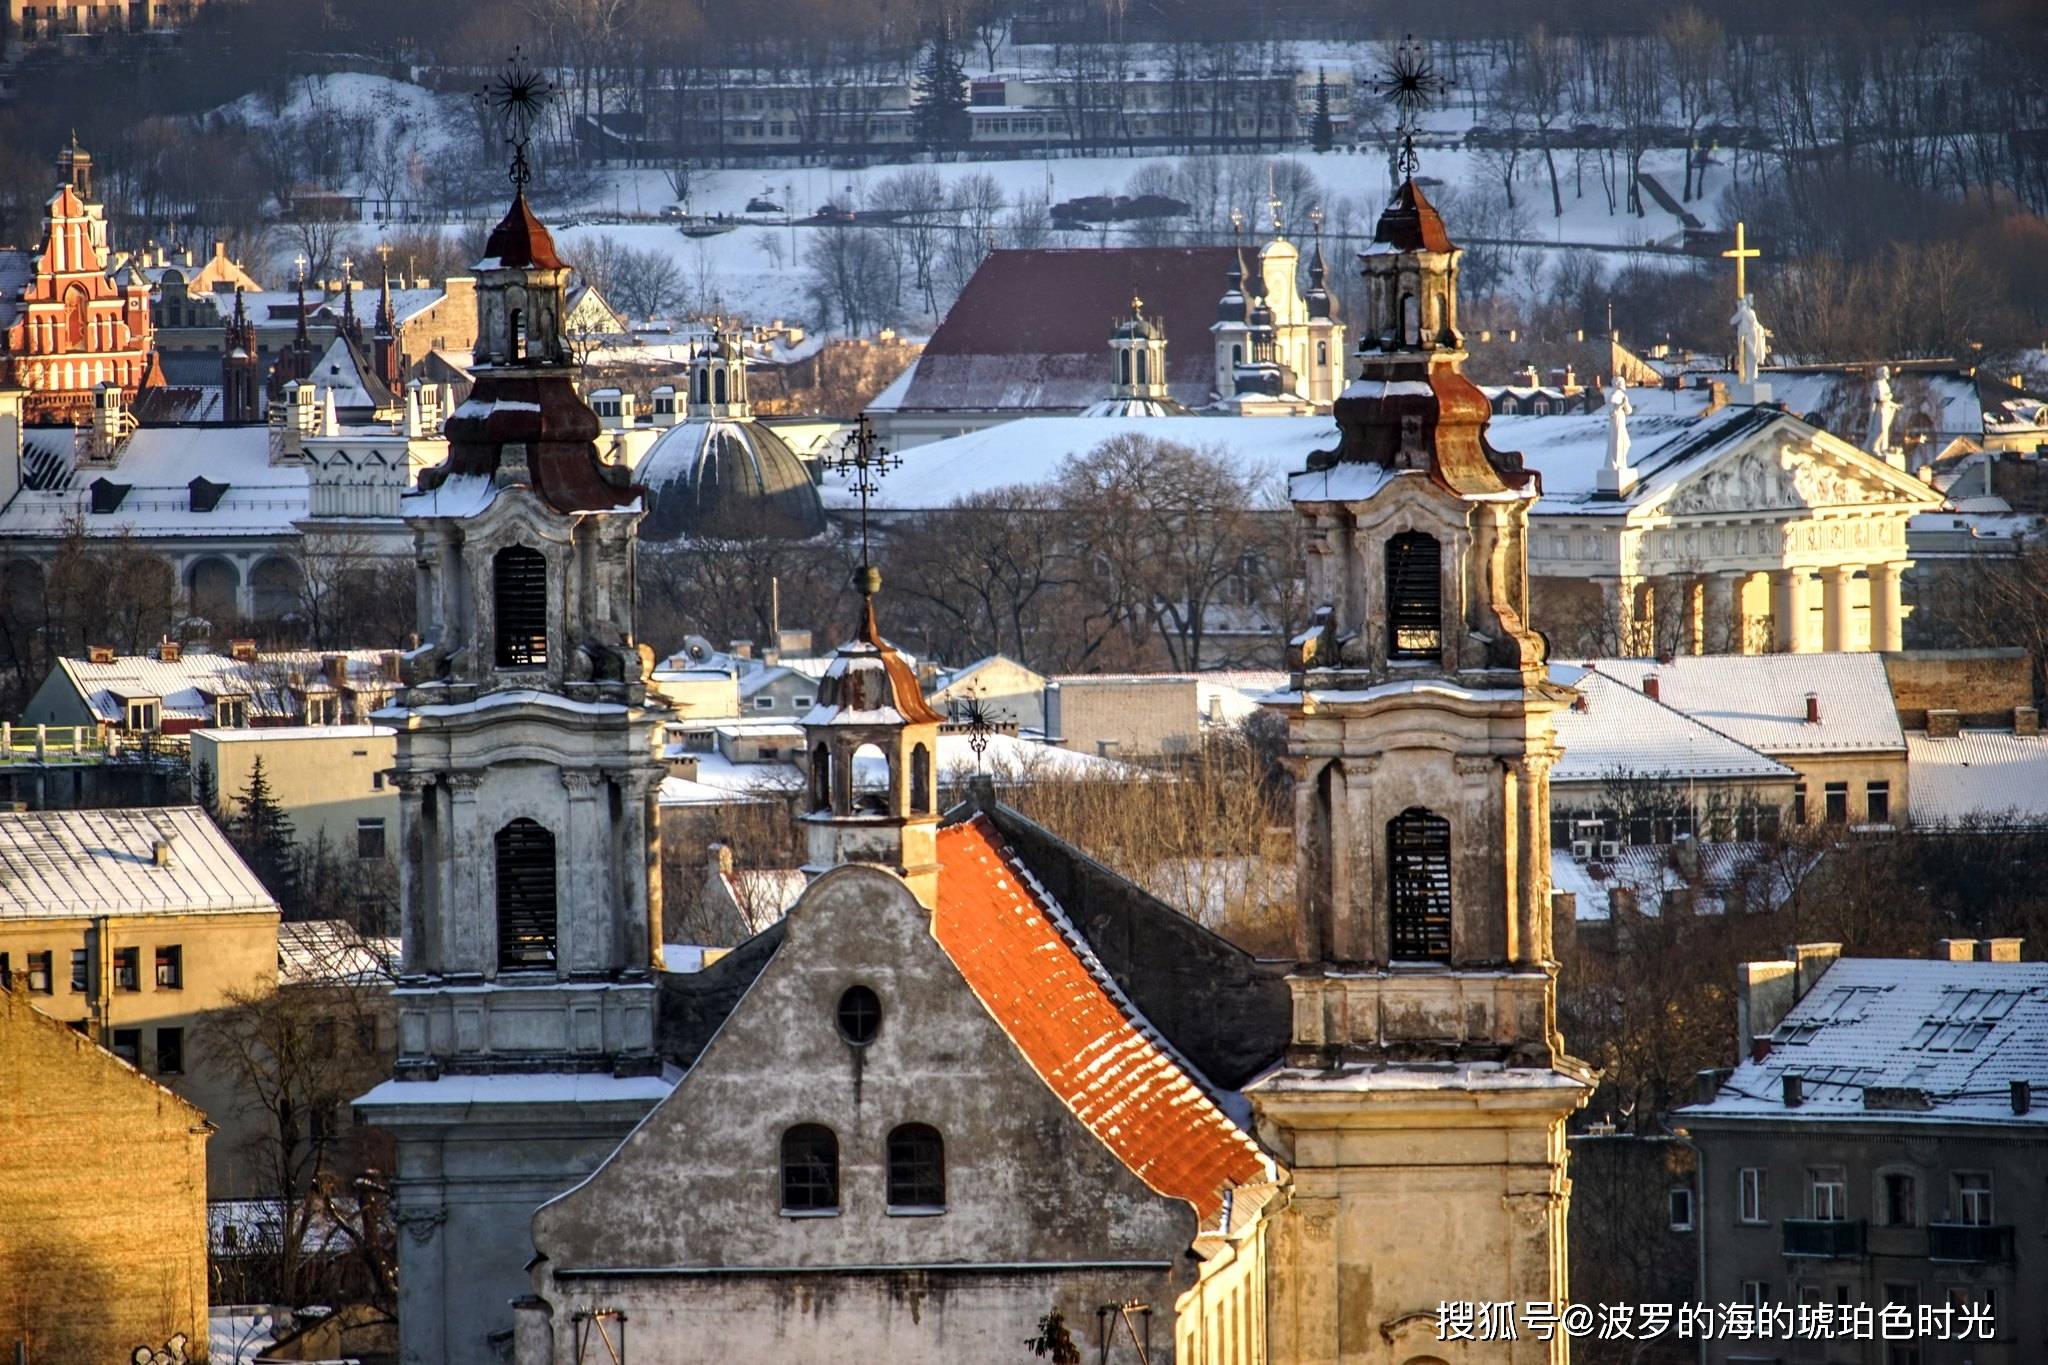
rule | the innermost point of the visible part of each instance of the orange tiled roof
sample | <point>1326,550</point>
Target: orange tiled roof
<point>1017,952</point>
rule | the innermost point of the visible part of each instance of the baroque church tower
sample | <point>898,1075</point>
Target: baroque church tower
<point>1426,1088</point>
<point>529,868</point>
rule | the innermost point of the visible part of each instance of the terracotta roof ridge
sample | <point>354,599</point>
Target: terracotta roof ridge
<point>1084,953</point>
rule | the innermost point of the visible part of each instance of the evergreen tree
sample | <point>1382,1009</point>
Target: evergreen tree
<point>1323,132</point>
<point>938,108</point>
<point>206,790</point>
<point>262,833</point>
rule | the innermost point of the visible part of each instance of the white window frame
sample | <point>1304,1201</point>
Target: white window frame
<point>1973,1205</point>
<point>1827,1193</point>
<point>1681,1222</point>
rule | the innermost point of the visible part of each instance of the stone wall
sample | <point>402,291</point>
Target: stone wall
<point>1984,685</point>
<point>102,1199</point>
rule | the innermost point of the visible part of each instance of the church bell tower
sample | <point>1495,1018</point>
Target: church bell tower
<point>1426,1088</point>
<point>529,836</point>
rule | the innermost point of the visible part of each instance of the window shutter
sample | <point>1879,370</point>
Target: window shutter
<point>1419,886</point>
<point>526,896</point>
<point>521,601</point>
<point>1414,597</point>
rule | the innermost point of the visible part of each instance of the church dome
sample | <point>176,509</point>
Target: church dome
<point>727,477</point>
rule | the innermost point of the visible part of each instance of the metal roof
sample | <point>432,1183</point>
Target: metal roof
<point>64,864</point>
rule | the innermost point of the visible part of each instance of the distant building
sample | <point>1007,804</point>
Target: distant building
<point>103,1191</point>
<point>177,691</point>
<point>1150,715</point>
<point>74,328</point>
<point>329,779</point>
<point>130,926</point>
<point>1882,1144</point>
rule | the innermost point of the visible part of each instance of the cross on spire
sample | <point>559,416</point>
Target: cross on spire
<point>299,265</point>
<point>865,459</point>
<point>1742,254</point>
<point>1272,199</point>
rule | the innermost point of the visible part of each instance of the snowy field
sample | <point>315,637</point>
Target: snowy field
<point>755,271</point>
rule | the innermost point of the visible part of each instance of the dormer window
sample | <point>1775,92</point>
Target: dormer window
<point>231,713</point>
<point>1414,597</point>
<point>520,598</point>
<point>144,714</point>
<point>323,708</point>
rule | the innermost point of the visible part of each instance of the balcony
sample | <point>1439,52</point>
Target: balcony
<point>1969,1243</point>
<point>1835,1238</point>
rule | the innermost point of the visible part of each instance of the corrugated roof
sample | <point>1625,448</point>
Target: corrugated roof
<point>1034,973</point>
<point>1982,774</point>
<point>1956,1034</point>
<point>66,863</point>
<point>178,683</point>
<point>1760,699</point>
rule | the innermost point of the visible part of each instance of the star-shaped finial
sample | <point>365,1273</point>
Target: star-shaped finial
<point>516,100</point>
<point>1411,83</point>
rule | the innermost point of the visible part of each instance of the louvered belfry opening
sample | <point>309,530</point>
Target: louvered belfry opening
<point>1415,624</point>
<point>526,896</point>
<point>520,595</point>
<point>1419,886</point>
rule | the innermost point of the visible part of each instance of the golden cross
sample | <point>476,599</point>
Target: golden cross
<point>1741,255</point>
<point>1137,306</point>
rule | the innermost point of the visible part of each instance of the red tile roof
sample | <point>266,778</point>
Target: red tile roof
<point>519,242</point>
<point>1031,329</point>
<point>1019,954</point>
<point>1411,222</point>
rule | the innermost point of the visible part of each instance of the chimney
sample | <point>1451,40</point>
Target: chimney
<point>2022,1096</point>
<point>1707,1084</point>
<point>1813,708</point>
<point>1765,993</point>
<point>1943,722</point>
<point>390,663</point>
<point>1955,950</point>
<point>1717,397</point>
<point>1652,688</point>
<point>163,853</point>
<point>2026,720</point>
<point>741,649</point>
<point>99,654</point>
<point>167,650</point>
<point>242,651</point>
<point>1795,1090</point>
<point>1999,949</point>
<point>335,668</point>
<point>1811,961</point>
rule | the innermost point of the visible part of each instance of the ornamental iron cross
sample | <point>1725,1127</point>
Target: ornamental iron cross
<point>865,460</point>
<point>516,100</point>
<point>1411,83</point>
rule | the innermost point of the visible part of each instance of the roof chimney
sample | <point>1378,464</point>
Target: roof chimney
<point>1999,949</point>
<point>163,853</point>
<point>1795,1090</point>
<point>335,666</point>
<point>1652,688</point>
<point>99,654</point>
<point>167,650</point>
<point>1955,950</point>
<point>2026,721</point>
<point>1765,993</point>
<point>1944,722</point>
<point>242,651</point>
<point>2022,1096</point>
<point>1813,708</point>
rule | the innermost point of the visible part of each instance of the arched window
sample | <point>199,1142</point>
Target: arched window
<point>515,335</point>
<point>920,780</point>
<point>703,386</point>
<point>810,1169</point>
<point>821,778</point>
<point>1419,886</point>
<point>1322,353</point>
<point>1414,597</point>
<point>520,594</point>
<point>917,1168</point>
<point>1144,370</point>
<point>718,386</point>
<point>526,896</point>
<point>872,781</point>
<point>1123,367</point>
<point>1236,354</point>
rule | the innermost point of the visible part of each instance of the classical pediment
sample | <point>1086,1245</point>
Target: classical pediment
<point>1793,471</point>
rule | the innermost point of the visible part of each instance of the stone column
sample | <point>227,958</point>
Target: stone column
<point>1834,605</point>
<point>1617,602</point>
<point>1722,633</point>
<point>417,873</point>
<point>1788,611</point>
<point>1531,946</point>
<point>1887,613</point>
<point>583,930</point>
<point>1673,606</point>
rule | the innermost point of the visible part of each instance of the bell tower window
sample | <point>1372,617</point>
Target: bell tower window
<point>1419,886</point>
<point>920,780</point>
<point>1414,597</point>
<point>526,896</point>
<point>515,345</point>
<point>1123,367</point>
<point>873,777</point>
<point>718,386</point>
<point>821,778</point>
<point>520,594</point>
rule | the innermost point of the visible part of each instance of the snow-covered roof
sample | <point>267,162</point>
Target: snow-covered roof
<point>1760,699</point>
<point>1619,731</point>
<point>272,734</point>
<point>62,864</point>
<point>1755,876</point>
<point>720,781</point>
<point>1030,450</point>
<point>1902,1041</point>
<point>554,1087</point>
<point>329,952</point>
<point>158,466</point>
<point>1977,774</point>
<point>188,685</point>
<point>1665,448</point>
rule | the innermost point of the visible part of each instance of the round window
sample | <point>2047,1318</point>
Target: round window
<point>860,1016</point>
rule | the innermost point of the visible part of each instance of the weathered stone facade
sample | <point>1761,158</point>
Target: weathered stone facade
<point>102,1199</point>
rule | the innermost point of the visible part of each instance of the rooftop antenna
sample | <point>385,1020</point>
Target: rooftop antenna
<point>865,460</point>
<point>516,100</point>
<point>1410,83</point>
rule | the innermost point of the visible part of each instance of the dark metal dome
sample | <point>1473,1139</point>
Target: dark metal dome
<point>727,477</point>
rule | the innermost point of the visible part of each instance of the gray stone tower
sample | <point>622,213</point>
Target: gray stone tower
<point>1426,1087</point>
<point>530,859</point>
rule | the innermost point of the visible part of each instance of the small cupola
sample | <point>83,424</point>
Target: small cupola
<point>1138,350</point>
<point>718,377</point>
<point>871,757</point>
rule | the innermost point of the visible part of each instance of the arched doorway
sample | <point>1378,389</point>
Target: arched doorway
<point>213,590</point>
